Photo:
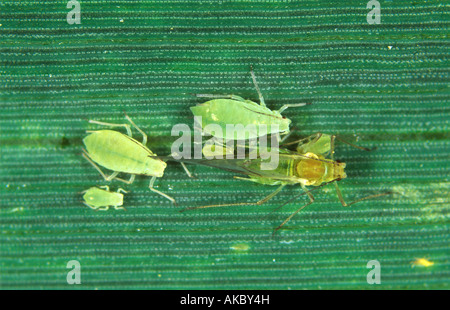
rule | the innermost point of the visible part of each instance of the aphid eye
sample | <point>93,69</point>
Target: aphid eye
<point>338,161</point>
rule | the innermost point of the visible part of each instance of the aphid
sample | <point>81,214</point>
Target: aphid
<point>121,153</point>
<point>306,169</point>
<point>234,110</point>
<point>101,199</point>
<point>422,262</point>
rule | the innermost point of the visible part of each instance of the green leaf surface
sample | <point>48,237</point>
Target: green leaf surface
<point>384,85</point>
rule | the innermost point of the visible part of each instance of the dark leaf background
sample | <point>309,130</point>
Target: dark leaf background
<point>383,85</point>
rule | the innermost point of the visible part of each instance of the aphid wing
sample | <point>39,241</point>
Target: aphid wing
<point>233,165</point>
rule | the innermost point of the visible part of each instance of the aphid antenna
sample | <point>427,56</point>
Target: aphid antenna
<point>261,98</point>
<point>95,209</point>
<point>341,199</point>
<point>354,145</point>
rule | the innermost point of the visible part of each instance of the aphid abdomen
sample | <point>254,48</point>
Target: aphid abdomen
<point>117,152</point>
<point>96,197</point>
<point>248,114</point>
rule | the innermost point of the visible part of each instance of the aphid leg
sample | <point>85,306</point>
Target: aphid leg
<point>261,98</point>
<point>107,178</point>
<point>265,199</point>
<point>152,181</point>
<point>119,208</point>
<point>96,208</point>
<point>127,127</point>
<point>121,190</point>
<point>187,170</point>
<point>273,194</point>
<point>130,181</point>
<point>311,200</point>
<point>144,136</point>
<point>292,105</point>
<point>341,198</point>
<point>339,194</point>
<point>93,208</point>
<point>245,179</point>
<point>286,136</point>
<point>233,97</point>
<point>106,187</point>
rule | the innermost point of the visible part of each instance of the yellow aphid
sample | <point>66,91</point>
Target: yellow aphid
<point>308,168</point>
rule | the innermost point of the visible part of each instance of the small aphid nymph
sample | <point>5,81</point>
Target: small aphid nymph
<point>102,199</point>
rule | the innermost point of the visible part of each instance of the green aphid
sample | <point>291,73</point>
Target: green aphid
<point>102,199</point>
<point>236,111</point>
<point>121,153</point>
